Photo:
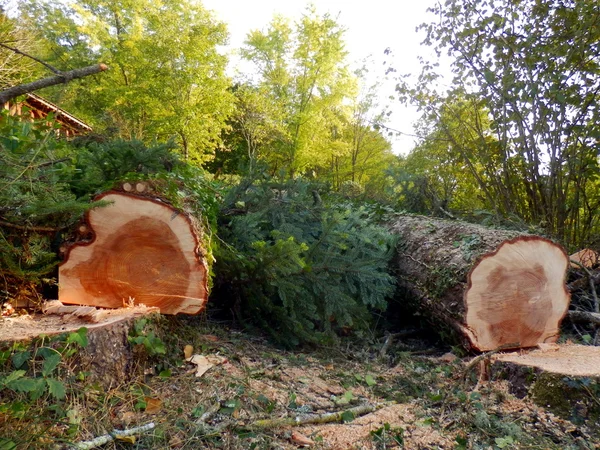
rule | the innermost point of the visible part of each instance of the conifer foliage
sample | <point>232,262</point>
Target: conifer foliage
<point>36,202</point>
<point>297,266</point>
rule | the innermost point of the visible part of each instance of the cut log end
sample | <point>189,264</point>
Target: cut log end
<point>517,295</point>
<point>144,252</point>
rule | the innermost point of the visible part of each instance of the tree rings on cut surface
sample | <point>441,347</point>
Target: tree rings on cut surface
<point>517,295</point>
<point>143,252</point>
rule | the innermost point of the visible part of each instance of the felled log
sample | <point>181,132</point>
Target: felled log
<point>139,251</point>
<point>496,288</point>
<point>587,258</point>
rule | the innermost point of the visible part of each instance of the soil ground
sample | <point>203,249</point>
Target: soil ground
<point>422,398</point>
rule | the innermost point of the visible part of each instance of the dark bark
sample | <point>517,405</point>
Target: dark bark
<point>64,77</point>
<point>435,263</point>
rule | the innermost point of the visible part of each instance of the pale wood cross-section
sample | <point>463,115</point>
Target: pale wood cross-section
<point>517,294</point>
<point>143,251</point>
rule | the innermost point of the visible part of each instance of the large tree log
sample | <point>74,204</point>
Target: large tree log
<point>497,288</point>
<point>140,251</point>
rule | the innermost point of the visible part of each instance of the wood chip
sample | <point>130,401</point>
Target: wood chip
<point>301,440</point>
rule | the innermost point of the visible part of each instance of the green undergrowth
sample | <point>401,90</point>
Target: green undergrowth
<point>37,382</point>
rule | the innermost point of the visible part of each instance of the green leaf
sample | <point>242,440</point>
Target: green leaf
<point>56,388</point>
<point>6,444</point>
<point>504,442</point>
<point>18,409</point>
<point>198,411</point>
<point>370,380</point>
<point>165,373</point>
<point>18,359</point>
<point>15,375</point>
<point>429,421</point>
<point>38,390</point>
<point>50,363</point>
<point>79,337</point>
<point>22,385</point>
<point>347,416</point>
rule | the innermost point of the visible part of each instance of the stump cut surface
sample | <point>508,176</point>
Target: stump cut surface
<point>517,295</point>
<point>143,252</point>
<point>568,360</point>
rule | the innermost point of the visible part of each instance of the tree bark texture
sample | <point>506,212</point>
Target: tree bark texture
<point>64,77</point>
<point>137,250</point>
<point>495,287</point>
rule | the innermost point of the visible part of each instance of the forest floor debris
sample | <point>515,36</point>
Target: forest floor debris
<point>410,401</point>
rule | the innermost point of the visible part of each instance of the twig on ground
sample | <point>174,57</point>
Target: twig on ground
<point>357,411</point>
<point>484,360</point>
<point>116,434</point>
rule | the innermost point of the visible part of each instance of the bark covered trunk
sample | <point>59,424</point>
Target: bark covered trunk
<point>10,93</point>
<point>136,250</point>
<point>496,288</point>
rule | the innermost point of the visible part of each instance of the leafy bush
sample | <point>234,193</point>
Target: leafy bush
<point>298,267</point>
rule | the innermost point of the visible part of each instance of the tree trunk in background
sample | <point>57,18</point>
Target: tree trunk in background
<point>136,250</point>
<point>496,288</point>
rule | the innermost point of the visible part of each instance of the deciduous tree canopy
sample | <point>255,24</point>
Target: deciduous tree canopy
<point>167,78</point>
<point>533,68</point>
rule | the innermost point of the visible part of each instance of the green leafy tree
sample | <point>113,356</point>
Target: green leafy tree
<point>533,66</point>
<point>166,75</point>
<point>304,70</point>
<point>36,200</point>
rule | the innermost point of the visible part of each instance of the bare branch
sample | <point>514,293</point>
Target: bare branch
<point>20,52</point>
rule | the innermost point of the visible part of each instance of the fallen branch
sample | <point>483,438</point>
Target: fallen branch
<point>64,77</point>
<point>4,223</point>
<point>584,317</point>
<point>314,418</point>
<point>116,434</point>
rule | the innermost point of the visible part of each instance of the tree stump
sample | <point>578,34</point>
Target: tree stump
<point>140,251</point>
<point>109,358</point>
<point>563,378</point>
<point>496,288</point>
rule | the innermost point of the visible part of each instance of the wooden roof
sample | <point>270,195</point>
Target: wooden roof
<point>40,108</point>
